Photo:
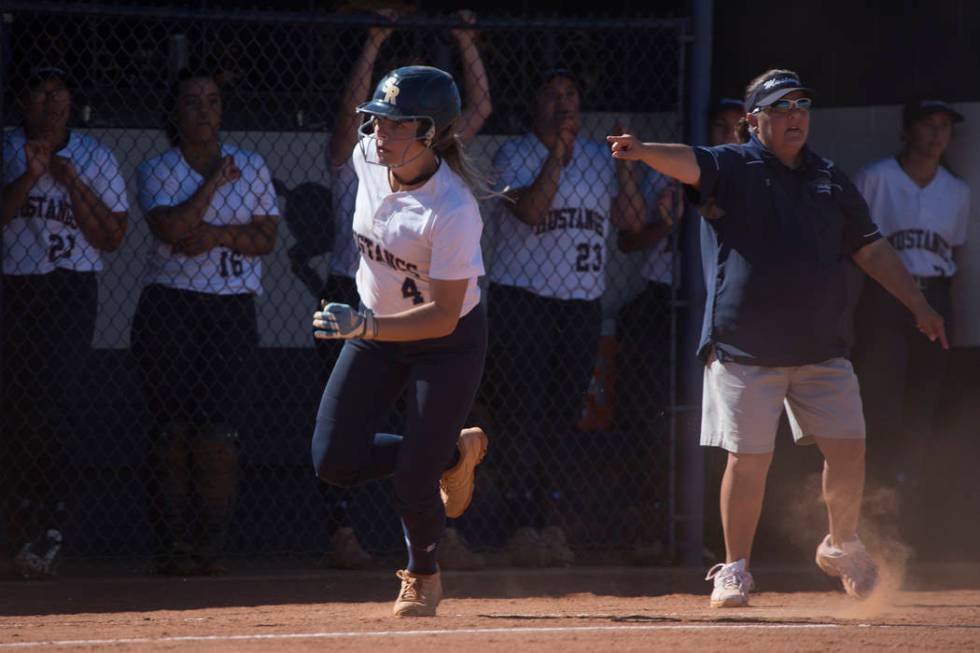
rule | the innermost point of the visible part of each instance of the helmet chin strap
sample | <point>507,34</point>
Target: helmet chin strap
<point>365,149</point>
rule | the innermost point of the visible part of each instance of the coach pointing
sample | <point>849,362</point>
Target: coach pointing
<point>783,225</point>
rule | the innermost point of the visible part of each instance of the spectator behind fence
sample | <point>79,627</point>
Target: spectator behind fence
<point>211,208</point>
<point>346,550</point>
<point>421,327</point>
<point>63,204</point>
<point>547,277</point>
<point>923,210</point>
<point>784,223</point>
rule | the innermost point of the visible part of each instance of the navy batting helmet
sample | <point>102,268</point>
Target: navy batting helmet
<point>417,93</point>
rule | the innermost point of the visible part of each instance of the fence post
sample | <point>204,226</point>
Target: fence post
<point>690,458</point>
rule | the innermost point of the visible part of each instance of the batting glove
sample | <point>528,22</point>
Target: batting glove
<point>340,321</point>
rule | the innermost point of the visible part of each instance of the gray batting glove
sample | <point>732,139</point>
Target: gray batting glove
<point>342,322</point>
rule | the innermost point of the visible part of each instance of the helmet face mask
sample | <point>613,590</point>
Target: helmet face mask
<point>412,93</point>
<point>368,135</point>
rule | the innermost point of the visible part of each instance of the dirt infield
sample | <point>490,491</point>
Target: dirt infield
<point>592,609</point>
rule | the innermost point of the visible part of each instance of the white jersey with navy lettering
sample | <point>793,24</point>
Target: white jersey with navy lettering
<point>408,238</point>
<point>563,257</point>
<point>44,234</point>
<point>922,224</point>
<point>344,258</point>
<point>168,180</point>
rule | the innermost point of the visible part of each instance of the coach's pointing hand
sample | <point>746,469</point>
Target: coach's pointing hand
<point>340,321</point>
<point>626,147</point>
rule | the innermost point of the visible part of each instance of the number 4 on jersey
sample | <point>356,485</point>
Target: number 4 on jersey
<point>409,289</point>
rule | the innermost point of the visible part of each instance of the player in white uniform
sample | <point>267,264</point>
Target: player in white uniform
<point>63,204</point>
<point>211,208</point>
<point>923,210</point>
<point>421,325</point>
<point>547,276</point>
<point>345,256</point>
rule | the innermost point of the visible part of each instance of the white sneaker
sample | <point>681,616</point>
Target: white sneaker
<point>732,585</point>
<point>851,562</point>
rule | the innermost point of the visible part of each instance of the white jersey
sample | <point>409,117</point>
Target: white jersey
<point>564,257</point>
<point>922,224</point>
<point>168,180</point>
<point>407,239</point>
<point>659,263</point>
<point>44,235</point>
<point>344,258</point>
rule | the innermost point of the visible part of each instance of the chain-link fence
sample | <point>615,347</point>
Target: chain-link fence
<point>160,380</point>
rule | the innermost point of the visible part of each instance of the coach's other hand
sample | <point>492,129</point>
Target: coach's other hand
<point>931,323</point>
<point>340,321</point>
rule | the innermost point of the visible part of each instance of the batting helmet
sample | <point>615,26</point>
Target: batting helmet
<point>419,93</point>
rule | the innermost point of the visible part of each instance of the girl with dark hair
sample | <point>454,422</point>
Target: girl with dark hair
<point>211,208</point>
<point>923,210</point>
<point>63,204</point>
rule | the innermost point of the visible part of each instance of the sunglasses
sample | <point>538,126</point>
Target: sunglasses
<point>785,106</point>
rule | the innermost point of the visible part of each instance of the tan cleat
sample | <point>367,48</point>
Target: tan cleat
<point>419,596</point>
<point>456,484</point>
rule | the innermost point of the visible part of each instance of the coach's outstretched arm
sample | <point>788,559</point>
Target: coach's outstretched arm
<point>672,159</point>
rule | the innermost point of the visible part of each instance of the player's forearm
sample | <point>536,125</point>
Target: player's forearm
<point>430,320</point>
<point>100,226</point>
<point>356,91</point>
<point>673,160</point>
<point>172,224</point>
<point>532,202</point>
<point>13,197</point>
<point>882,263</point>
<point>479,105</point>
<point>254,239</point>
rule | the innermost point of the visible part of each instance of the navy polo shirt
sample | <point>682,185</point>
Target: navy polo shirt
<point>776,254</point>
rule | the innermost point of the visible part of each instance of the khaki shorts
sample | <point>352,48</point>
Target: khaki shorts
<point>741,404</point>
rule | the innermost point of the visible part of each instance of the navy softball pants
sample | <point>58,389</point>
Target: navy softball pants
<point>441,376</point>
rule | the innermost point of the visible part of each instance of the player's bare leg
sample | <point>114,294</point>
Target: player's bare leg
<point>743,487</point>
<point>841,553</point>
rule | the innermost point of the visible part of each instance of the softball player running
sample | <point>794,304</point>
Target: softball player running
<point>64,203</point>
<point>420,325</point>
<point>211,208</point>
<point>345,257</point>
